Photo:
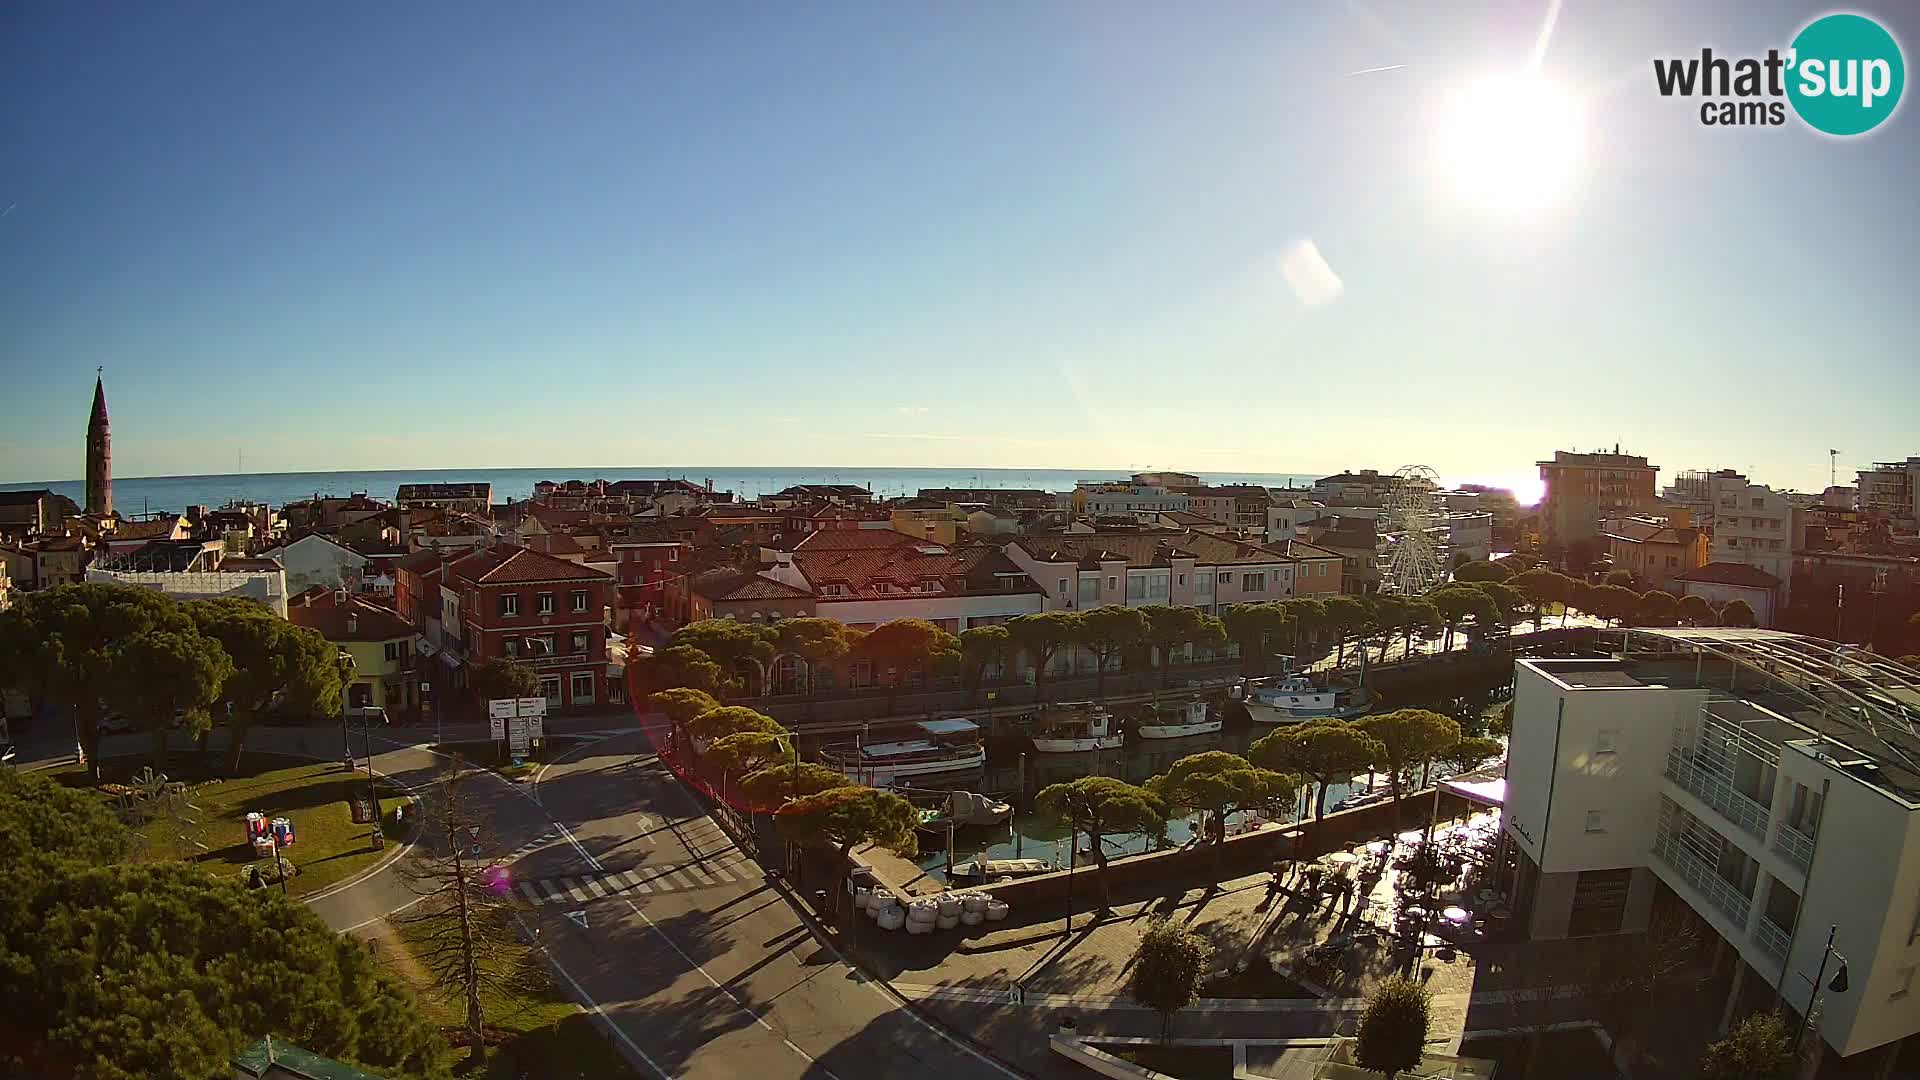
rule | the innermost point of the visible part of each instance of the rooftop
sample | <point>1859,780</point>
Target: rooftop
<point>352,619</point>
<point>501,565</point>
<point>1843,701</point>
<point>1725,573</point>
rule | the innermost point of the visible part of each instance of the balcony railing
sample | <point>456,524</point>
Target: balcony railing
<point>1714,790</point>
<point>1694,871</point>
<point>1772,940</point>
<point>1794,846</point>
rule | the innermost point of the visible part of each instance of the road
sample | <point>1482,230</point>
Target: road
<point>703,968</point>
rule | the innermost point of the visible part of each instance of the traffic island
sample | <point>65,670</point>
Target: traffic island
<point>191,811</point>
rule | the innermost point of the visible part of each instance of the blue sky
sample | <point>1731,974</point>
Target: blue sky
<point>996,234</point>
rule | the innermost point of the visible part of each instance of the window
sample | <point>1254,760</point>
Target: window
<point>543,603</point>
<point>509,603</point>
<point>583,688</point>
<point>396,650</point>
<point>1319,569</point>
<point>1062,589</point>
<point>513,648</point>
<point>1113,583</point>
<point>581,638</point>
<point>550,688</point>
<point>580,600</point>
<point>1253,583</point>
<point>1226,578</point>
<point>1596,821</point>
<point>1606,741</point>
<point>540,645</point>
<point>1136,586</point>
<point>1181,580</point>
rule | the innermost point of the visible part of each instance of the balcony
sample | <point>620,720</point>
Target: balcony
<point>1714,790</point>
<point>1694,871</point>
<point>1794,846</point>
<point>1772,940</point>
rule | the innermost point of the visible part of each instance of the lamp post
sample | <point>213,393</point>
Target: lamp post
<point>1838,984</point>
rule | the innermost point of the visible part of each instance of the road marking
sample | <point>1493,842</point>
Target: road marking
<point>526,890</point>
<point>699,875</point>
<point>579,918</point>
<point>552,891</point>
<point>594,1007</point>
<point>624,880</point>
<point>594,888</point>
<point>717,985</point>
<point>724,873</point>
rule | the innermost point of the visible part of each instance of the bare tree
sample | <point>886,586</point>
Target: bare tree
<point>462,930</point>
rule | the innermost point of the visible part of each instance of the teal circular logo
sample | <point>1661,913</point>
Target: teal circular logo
<point>1845,74</point>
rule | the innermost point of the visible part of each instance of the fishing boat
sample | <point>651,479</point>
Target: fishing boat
<point>944,746</point>
<point>1291,699</point>
<point>1174,719</point>
<point>961,810</point>
<point>1075,726</point>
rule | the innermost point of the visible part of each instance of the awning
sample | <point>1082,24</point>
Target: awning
<point>452,661</point>
<point>1483,792</point>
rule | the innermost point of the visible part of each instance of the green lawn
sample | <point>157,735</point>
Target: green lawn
<point>542,1033</point>
<point>210,826</point>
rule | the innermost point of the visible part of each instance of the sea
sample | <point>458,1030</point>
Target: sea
<point>135,495</point>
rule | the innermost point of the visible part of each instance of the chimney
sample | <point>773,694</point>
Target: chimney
<point>340,597</point>
<point>353,622</point>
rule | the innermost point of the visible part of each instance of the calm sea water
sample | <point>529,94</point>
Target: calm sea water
<point>133,494</point>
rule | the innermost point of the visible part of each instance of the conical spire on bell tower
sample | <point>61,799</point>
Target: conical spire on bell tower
<point>99,451</point>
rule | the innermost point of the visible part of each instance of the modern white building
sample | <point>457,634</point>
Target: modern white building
<point>1770,781</point>
<point>1754,525</point>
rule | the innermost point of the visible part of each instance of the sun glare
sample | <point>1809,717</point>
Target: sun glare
<point>1510,144</point>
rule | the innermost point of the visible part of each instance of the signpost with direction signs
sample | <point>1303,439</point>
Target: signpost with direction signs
<point>520,723</point>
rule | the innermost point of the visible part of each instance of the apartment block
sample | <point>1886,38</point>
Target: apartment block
<point>1770,781</point>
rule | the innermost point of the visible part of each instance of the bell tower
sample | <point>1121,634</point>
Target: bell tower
<point>99,451</point>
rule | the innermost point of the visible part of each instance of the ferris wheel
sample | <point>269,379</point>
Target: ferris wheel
<point>1413,563</point>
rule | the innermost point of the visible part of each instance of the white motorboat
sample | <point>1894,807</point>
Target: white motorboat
<point>945,746</point>
<point>1174,719</point>
<point>1292,699</point>
<point>1075,726</point>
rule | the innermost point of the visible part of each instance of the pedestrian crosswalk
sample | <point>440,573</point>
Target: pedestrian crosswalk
<point>731,868</point>
<point>531,846</point>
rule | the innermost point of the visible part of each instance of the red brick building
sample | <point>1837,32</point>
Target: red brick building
<point>644,569</point>
<point>536,609</point>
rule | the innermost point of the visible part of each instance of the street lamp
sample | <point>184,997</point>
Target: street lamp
<point>1838,984</point>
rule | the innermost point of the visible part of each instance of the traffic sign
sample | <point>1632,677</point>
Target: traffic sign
<point>579,917</point>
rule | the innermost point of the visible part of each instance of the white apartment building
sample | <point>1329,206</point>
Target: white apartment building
<point>1138,501</point>
<point>1768,780</point>
<point>1086,571</point>
<point>1754,525</point>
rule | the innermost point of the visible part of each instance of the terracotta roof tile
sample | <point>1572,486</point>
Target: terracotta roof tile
<point>502,565</point>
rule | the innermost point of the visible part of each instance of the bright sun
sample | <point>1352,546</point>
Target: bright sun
<point>1510,144</point>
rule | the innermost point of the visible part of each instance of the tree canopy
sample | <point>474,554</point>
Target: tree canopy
<point>909,647</point>
<point>678,666</point>
<point>1100,806</point>
<point>1328,751</point>
<point>1168,628</point>
<point>745,751</point>
<point>775,784</point>
<point>981,647</point>
<point>1482,571</point>
<point>59,645</point>
<point>1406,738</point>
<point>716,724</point>
<point>1614,602</point>
<point>1393,1027</point>
<point>1168,966</point>
<point>132,971</point>
<point>682,704</point>
<point>1694,610</point>
<point>43,819</point>
<point>1041,635</point>
<point>1657,608</point>
<point>1757,1048</point>
<point>1470,753</point>
<point>741,649</point>
<point>275,665</point>
<point>1542,588</point>
<point>846,817</point>
<point>1219,783</point>
<point>1106,632</point>
<point>815,640</point>
<point>1737,613</point>
<point>168,679</point>
<point>499,678</point>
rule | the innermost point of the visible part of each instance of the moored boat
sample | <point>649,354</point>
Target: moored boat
<point>1000,869</point>
<point>1175,719</point>
<point>1074,726</point>
<point>944,746</point>
<point>1292,699</point>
